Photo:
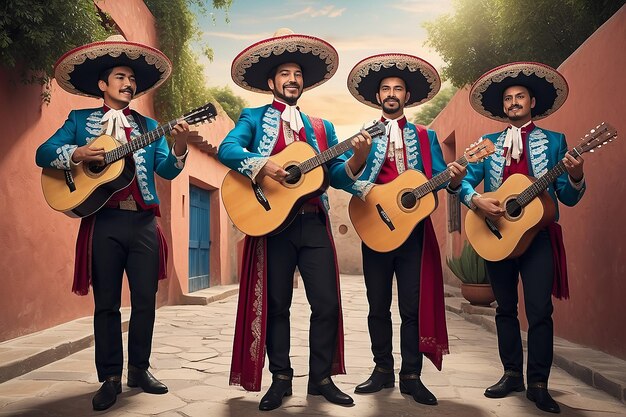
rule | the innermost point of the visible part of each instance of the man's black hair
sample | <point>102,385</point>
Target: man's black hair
<point>104,76</point>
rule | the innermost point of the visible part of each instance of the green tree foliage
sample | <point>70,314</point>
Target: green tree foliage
<point>35,33</point>
<point>482,34</point>
<point>430,110</point>
<point>177,28</point>
<point>231,103</point>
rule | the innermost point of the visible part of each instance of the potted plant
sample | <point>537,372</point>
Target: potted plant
<point>470,269</point>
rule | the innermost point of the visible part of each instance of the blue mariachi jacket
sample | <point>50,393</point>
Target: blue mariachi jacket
<point>378,153</point>
<point>247,147</point>
<point>83,126</point>
<point>544,149</point>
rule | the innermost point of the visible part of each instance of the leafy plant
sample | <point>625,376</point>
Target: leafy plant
<point>177,28</point>
<point>469,267</point>
<point>34,34</point>
<point>480,35</point>
<point>430,110</point>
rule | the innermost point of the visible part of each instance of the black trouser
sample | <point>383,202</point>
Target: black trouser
<point>537,271</point>
<point>379,268</point>
<point>124,240</point>
<point>305,244</point>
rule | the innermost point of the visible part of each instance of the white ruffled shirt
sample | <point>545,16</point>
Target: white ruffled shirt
<point>394,133</point>
<point>116,121</point>
<point>513,143</point>
<point>291,115</point>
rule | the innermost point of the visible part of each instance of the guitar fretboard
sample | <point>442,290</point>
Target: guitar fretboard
<point>330,153</point>
<point>542,183</point>
<point>139,142</point>
<point>436,181</point>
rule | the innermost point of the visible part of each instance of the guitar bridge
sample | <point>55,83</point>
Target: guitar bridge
<point>384,217</point>
<point>260,196</point>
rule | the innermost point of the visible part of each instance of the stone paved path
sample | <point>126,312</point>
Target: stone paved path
<point>191,354</point>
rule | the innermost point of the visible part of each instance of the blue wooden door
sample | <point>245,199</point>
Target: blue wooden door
<point>199,243</point>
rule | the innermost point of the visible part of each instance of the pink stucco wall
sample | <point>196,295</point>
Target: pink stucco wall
<point>37,243</point>
<point>594,230</point>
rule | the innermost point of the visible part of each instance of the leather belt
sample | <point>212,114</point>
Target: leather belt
<point>129,204</point>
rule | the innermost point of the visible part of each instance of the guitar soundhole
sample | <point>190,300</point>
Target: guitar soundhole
<point>96,168</point>
<point>513,208</point>
<point>408,200</point>
<point>294,174</point>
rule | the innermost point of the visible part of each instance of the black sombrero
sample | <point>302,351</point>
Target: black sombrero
<point>77,71</point>
<point>421,78</point>
<point>547,85</point>
<point>317,58</point>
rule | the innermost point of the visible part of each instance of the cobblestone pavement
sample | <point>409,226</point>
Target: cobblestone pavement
<point>191,354</point>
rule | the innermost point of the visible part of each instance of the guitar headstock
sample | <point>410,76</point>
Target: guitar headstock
<point>479,150</point>
<point>598,136</point>
<point>201,114</point>
<point>376,128</point>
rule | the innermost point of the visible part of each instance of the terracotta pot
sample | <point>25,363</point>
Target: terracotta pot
<point>478,294</point>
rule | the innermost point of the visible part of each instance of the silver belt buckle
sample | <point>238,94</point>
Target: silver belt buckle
<point>128,204</point>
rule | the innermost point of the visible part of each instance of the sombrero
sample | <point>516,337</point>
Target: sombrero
<point>546,84</point>
<point>317,58</point>
<point>421,78</point>
<point>77,71</point>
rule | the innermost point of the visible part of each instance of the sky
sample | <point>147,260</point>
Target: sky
<point>355,28</point>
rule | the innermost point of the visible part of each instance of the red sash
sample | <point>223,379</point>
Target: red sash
<point>248,358</point>
<point>432,314</point>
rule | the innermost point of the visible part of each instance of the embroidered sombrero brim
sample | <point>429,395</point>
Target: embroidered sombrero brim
<point>77,71</point>
<point>547,85</point>
<point>421,78</point>
<point>317,59</point>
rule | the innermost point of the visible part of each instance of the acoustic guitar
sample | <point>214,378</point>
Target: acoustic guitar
<point>83,190</point>
<point>528,206</point>
<point>258,209</point>
<point>386,217</point>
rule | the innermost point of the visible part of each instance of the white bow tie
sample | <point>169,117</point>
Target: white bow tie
<point>291,115</point>
<point>392,129</point>
<point>116,119</point>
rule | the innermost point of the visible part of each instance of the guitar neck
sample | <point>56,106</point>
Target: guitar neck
<point>437,180</point>
<point>138,143</point>
<point>327,155</point>
<point>542,183</point>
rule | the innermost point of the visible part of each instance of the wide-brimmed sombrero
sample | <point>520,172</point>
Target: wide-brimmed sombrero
<point>316,57</point>
<point>547,85</point>
<point>77,71</point>
<point>421,78</point>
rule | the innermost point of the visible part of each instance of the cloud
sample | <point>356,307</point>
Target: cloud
<point>328,11</point>
<point>424,6</point>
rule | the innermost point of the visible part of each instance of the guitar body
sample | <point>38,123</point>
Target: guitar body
<point>258,218</point>
<point>368,217</point>
<point>94,185</point>
<point>517,229</point>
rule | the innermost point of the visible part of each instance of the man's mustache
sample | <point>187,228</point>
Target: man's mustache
<point>515,107</point>
<point>127,90</point>
<point>391,99</point>
<point>291,85</point>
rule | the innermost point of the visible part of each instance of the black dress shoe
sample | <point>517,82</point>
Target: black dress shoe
<point>143,378</point>
<point>107,394</point>
<point>538,393</point>
<point>380,378</point>
<point>329,390</point>
<point>510,381</point>
<point>273,398</point>
<point>412,384</point>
